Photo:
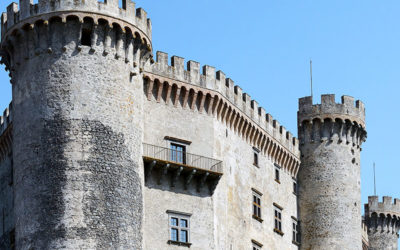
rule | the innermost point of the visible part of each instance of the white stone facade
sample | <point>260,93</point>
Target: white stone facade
<point>104,147</point>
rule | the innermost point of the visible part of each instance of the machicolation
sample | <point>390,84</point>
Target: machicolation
<point>343,122</point>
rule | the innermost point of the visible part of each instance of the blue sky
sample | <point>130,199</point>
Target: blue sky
<point>265,47</point>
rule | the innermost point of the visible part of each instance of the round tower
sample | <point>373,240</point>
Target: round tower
<point>383,221</point>
<point>75,68</point>
<point>329,178</point>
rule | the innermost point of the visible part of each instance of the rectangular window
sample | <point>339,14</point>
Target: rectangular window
<point>179,227</point>
<point>295,187</point>
<point>256,245</point>
<point>178,153</point>
<point>278,219</point>
<point>257,205</point>
<point>256,159</point>
<point>277,173</point>
<point>296,231</point>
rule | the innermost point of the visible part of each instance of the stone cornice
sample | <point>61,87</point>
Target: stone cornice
<point>264,134</point>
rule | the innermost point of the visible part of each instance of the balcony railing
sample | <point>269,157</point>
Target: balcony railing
<point>182,158</point>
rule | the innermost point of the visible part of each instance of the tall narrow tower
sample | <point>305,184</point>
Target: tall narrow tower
<point>329,178</point>
<point>383,221</point>
<point>77,134</point>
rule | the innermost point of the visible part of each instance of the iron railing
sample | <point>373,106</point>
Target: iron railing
<point>181,158</point>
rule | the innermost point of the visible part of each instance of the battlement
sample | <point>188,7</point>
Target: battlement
<point>6,119</point>
<point>346,110</point>
<point>209,78</point>
<point>26,10</point>
<point>386,207</point>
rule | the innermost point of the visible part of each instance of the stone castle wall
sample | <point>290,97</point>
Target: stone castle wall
<point>383,220</point>
<point>329,178</point>
<point>77,137</point>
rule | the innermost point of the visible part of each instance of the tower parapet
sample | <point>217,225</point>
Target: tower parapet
<point>341,122</point>
<point>383,221</point>
<point>330,137</point>
<point>77,83</point>
<point>6,119</point>
<point>47,8</point>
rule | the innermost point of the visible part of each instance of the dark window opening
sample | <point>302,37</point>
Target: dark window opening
<point>278,220</point>
<point>255,160</point>
<point>295,187</point>
<point>12,239</point>
<point>86,37</point>
<point>277,175</point>
<point>257,206</point>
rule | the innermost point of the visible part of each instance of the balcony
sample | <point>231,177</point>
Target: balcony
<point>178,166</point>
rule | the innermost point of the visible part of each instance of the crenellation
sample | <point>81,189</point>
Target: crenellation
<point>383,221</point>
<point>254,111</point>
<point>217,81</point>
<point>12,14</point>
<point>194,72</point>
<point>6,119</point>
<point>348,101</point>
<point>230,89</point>
<point>327,100</point>
<point>346,110</point>
<point>262,113</point>
<point>220,82</point>
<point>128,13</point>
<point>245,106</point>
<point>387,200</point>
<point>178,66</point>
<point>387,206</point>
<point>162,60</point>
<point>81,134</point>
<point>25,8</point>
<point>208,77</point>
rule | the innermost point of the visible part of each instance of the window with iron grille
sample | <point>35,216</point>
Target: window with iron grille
<point>278,219</point>
<point>179,228</point>
<point>257,205</point>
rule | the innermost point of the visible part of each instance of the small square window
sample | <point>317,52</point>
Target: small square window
<point>179,227</point>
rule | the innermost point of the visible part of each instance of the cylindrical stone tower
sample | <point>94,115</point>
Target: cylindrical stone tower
<point>75,68</point>
<point>329,178</point>
<point>383,221</point>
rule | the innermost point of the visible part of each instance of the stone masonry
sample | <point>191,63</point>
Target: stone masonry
<point>383,220</point>
<point>77,122</point>
<point>88,155</point>
<point>330,188</point>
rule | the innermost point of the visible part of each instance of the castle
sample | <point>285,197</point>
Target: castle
<point>105,148</point>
